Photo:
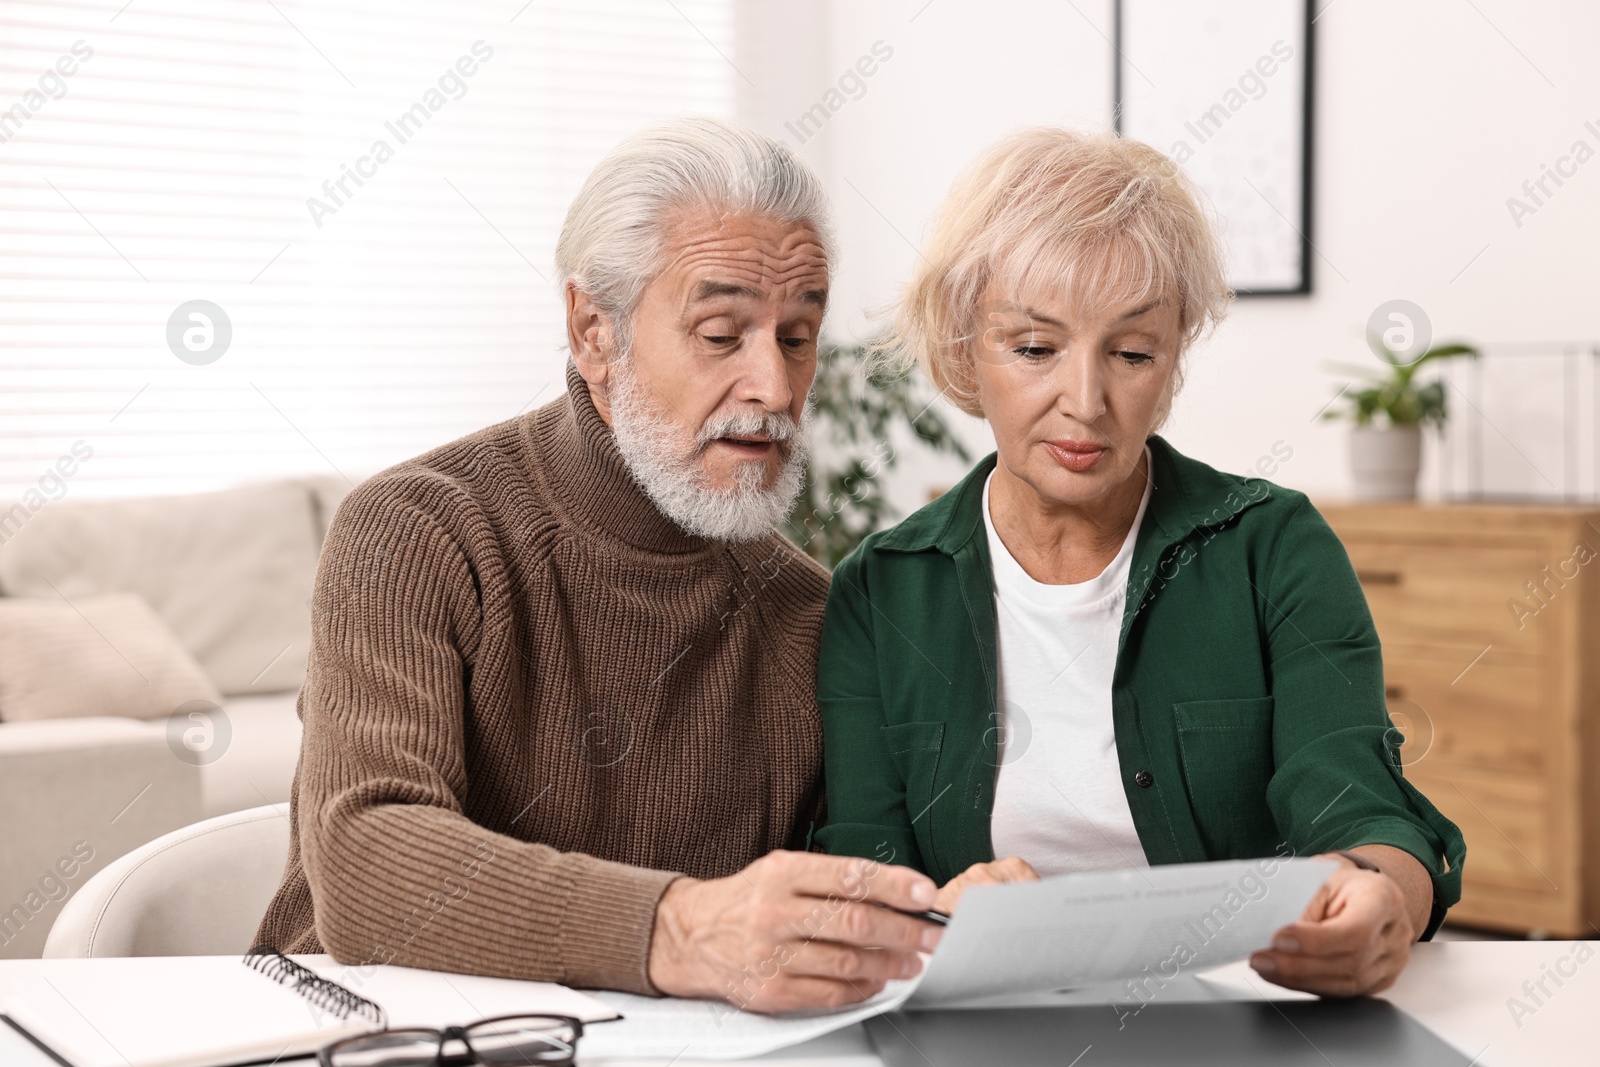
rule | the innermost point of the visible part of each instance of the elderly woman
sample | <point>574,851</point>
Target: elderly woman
<point>1095,652</point>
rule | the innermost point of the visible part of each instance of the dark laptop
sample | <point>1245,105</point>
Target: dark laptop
<point>1326,1033</point>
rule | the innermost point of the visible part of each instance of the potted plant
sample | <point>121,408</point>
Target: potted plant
<point>1388,414</point>
<point>856,407</point>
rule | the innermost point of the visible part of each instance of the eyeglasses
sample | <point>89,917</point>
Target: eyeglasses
<point>504,1041</point>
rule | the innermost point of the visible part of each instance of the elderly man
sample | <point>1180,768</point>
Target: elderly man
<point>561,706</point>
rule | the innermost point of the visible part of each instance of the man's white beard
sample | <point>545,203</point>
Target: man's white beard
<point>662,458</point>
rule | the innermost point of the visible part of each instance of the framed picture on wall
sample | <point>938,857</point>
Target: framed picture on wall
<point>1224,88</point>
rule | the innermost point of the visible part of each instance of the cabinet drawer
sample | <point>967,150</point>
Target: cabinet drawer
<point>1493,715</point>
<point>1513,834</point>
<point>1451,594</point>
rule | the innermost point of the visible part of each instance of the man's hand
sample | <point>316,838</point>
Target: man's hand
<point>1354,938</point>
<point>1010,869</point>
<point>792,930</point>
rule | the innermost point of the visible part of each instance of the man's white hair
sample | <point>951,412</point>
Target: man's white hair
<point>611,243</point>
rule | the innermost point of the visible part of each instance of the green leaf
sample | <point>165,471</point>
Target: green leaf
<point>856,411</point>
<point>1394,392</point>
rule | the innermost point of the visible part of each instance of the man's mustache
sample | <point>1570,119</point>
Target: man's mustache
<point>778,427</point>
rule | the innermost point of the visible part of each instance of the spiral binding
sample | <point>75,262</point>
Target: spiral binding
<point>323,993</point>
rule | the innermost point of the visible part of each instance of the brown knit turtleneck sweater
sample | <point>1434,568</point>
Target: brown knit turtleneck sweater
<point>532,697</point>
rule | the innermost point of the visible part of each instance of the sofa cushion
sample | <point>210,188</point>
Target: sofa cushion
<point>98,655</point>
<point>230,572</point>
<point>327,493</point>
<point>77,794</point>
<point>257,765</point>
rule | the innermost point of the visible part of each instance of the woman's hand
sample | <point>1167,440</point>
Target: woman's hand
<point>1011,869</point>
<point>1354,938</point>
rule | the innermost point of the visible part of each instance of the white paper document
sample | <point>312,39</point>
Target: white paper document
<point>1080,928</point>
<point>1029,937</point>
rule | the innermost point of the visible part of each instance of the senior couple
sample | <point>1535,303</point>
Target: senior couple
<point>576,712</point>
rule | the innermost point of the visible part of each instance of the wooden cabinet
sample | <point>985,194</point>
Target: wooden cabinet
<point>1490,621</point>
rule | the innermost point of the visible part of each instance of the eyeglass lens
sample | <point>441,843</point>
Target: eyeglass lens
<point>527,1042</point>
<point>397,1048</point>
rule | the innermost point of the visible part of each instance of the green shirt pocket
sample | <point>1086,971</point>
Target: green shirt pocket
<point>1226,749</point>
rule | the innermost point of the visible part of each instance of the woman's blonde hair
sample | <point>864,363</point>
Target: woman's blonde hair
<point>1105,220</point>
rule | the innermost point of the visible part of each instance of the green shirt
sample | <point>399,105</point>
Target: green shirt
<point>1247,700</point>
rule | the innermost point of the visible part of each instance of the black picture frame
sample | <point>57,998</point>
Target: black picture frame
<point>1302,219</point>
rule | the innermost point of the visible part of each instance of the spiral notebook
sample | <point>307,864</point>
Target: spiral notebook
<point>209,1011</point>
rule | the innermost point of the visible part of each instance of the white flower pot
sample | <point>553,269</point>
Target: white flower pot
<point>1385,461</point>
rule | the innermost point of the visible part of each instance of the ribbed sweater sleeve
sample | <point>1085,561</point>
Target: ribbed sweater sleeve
<point>398,872</point>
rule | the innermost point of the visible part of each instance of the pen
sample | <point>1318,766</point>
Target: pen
<point>938,917</point>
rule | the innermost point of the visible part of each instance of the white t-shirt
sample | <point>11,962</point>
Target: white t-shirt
<point>1059,800</point>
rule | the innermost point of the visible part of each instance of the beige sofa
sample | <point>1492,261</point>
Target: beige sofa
<point>229,573</point>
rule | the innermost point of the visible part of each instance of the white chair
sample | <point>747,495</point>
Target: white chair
<point>198,891</point>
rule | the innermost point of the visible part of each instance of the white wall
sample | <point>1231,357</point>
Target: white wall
<point>1428,116</point>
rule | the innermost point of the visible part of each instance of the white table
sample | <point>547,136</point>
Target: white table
<point>1461,991</point>
<point>1471,993</point>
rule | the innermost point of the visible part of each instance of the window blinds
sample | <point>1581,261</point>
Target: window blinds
<point>247,238</point>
